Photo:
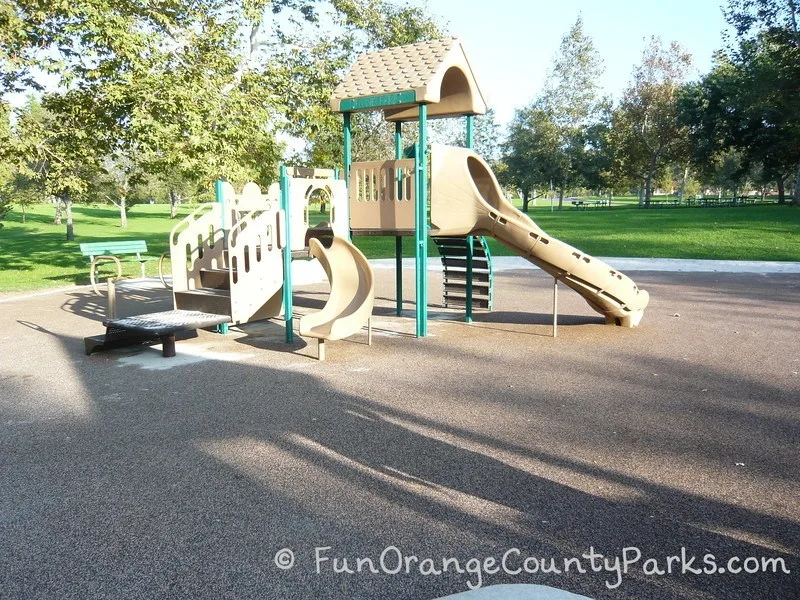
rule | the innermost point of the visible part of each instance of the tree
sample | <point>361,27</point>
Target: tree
<point>180,88</point>
<point>312,69</point>
<point>547,140</point>
<point>58,147</point>
<point>749,101</point>
<point>571,90</point>
<point>486,134</point>
<point>532,155</point>
<point>184,93</point>
<point>6,170</point>
<point>647,133</point>
<point>752,18</point>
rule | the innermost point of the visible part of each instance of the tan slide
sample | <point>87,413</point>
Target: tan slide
<point>349,306</point>
<point>467,200</point>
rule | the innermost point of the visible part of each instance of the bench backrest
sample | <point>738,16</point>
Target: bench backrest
<point>113,247</point>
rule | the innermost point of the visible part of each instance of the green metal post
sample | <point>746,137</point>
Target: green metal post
<point>219,197</point>
<point>398,241</point>
<point>421,234</point>
<point>470,241</point>
<point>348,161</point>
<point>348,148</point>
<point>287,257</point>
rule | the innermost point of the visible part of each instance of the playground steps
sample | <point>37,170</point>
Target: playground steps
<point>206,300</point>
<point>453,253</point>
<point>215,278</point>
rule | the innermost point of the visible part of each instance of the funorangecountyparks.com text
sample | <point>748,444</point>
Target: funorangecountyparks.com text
<point>515,562</point>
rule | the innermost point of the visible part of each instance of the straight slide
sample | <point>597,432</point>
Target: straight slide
<point>467,200</point>
<point>349,305</point>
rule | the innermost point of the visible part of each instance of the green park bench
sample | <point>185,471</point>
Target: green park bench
<point>117,252</point>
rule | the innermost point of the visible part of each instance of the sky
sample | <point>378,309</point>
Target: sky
<point>511,43</point>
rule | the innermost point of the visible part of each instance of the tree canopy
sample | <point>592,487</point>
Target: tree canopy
<point>548,140</point>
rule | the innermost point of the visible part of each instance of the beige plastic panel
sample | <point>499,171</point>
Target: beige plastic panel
<point>256,266</point>
<point>196,243</point>
<point>437,71</point>
<point>467,200</point>
<point>382,195</point>
<point>250,198</point>
<point>350,303</point>
<point>300,191</point>
<point>311,173</point>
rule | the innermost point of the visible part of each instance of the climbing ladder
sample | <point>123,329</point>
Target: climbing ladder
<point>453,252</point>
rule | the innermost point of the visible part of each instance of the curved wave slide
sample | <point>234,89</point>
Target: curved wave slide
<point>349,305</point>
<point>467,200</point>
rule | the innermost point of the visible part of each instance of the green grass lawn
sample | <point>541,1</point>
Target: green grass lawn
<point>754,232</point>
<point>35,255</point>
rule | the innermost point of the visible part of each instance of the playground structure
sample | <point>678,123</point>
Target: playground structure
<point>231,259</point>
<point>435,80</point>
<point>237,254</point>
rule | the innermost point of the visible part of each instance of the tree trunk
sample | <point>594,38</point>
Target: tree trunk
<point>174,202</point>
<point>781,191</point>
<point>57,217</point>
<point>648,183</point>
<point>123,212</point>
<point>526,197</point>
<point>796,200</point>
<point>560,198</point>
<point>68,210</point>
<point>683,182</point>
<point>22,206</point>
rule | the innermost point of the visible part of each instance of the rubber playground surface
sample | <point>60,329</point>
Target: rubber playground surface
<point>488,453</point>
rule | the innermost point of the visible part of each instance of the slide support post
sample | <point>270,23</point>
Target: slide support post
<point>555,306</point>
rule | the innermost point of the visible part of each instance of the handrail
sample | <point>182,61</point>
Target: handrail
<point>105,258</point>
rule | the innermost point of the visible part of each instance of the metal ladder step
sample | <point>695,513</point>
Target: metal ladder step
<point>453,252</point>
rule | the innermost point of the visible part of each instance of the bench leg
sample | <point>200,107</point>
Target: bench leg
<point>168,345</point>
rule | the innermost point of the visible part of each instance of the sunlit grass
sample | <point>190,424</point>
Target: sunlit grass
<point>35,255</point>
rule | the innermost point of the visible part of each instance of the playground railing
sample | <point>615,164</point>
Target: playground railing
<point>255,243</point>
<point>196,243</point>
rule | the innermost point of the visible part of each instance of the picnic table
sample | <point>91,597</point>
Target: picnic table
<point>584,204</point>
<point>665,202</point>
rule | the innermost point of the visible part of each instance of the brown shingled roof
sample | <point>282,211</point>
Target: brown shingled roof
<point>420,68</point>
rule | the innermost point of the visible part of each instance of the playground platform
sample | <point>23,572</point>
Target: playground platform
<point>243,467</point>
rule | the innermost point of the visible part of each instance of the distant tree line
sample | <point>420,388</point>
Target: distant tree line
<point>736,129</point>
<point>151,101</point>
